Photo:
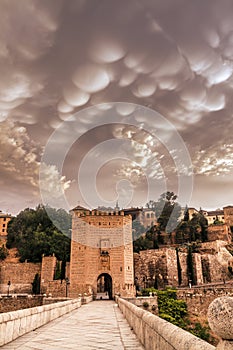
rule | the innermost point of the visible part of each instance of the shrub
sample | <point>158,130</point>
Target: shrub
<point>145,305</point>
<point>3,252</point>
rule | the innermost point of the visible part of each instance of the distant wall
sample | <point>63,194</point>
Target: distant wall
<point>198,299</point>
<point>139,301</point>
<point>8,304</point>
<point>157,334</point>
<point>219,232</point>
<point>20,275</point>
<point>16,323</point>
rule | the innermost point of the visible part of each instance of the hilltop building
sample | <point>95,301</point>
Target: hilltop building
<point>4,219</point>
<point>228,215</point>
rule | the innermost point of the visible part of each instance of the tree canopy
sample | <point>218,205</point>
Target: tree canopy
<point>33,233</point>
<point>168,213</point>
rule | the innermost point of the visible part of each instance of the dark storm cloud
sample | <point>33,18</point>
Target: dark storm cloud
<point>58,57</point>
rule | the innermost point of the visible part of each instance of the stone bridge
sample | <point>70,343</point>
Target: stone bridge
<point>109,325</point>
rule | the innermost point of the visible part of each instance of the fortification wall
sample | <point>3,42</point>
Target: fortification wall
<point>219,232</point>
<point>198,299</point>
<point>20,276</point>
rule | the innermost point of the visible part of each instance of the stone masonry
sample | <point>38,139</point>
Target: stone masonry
<point>101,246</point>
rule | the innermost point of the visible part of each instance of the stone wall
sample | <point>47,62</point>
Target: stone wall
<point>198,299</point>
<point>55,288</point>
<point>101,244</point>
<point>159,267</point>
<point>20,275</point>
<point>228,214</point>
<point>219,232</point>
<point>140,302</point>
<point>8,304</point>
<point>17,323</point>
<point>156,333</point>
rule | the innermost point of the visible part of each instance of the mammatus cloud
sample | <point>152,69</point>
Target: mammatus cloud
<point>59,57</point>
<point>20,163</point>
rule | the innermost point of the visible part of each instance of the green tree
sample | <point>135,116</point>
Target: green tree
<point>33,233</point>
<point>57,272</point>
<point>190,268</point>
<point>3,252</point>
<point>36,284</point>
<point>179,270</point>
<point>171,309</point>
<point>142,243</point>
<point>199,227</point>
<point>138,229</point>
<point>186,213</point>
<point>168,211</point>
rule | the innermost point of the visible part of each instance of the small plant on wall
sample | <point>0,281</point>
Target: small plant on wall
<point>145,305</point>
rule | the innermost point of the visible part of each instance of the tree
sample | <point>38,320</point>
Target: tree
<point>171,309</point>
<point>36,284</point>
<point>138,229</point>
<point>57,272</point>
<point>179,270</point>
<point>3,252</point>
<point>199,227</point>
<point>190,269</point>
<point>168,211</point>
<point>186,214</point>
<point>33,233</point>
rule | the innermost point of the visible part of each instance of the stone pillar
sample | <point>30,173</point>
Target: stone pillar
<point>220,318</point>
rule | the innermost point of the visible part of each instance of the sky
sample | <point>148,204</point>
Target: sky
<point>106,100</point>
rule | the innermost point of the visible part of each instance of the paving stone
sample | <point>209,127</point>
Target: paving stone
<point>99,325</point>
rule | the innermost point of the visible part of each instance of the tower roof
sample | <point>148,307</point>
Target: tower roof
<point>79,208</point>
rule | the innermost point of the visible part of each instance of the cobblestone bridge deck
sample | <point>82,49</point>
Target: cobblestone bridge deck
<point>97,325</point>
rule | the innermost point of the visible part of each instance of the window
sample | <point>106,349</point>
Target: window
<point>3,230</point>
<point>4,225</point>
<point>4,219</point>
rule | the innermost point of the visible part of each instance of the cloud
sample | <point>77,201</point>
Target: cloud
<point>59,57</point>
<point>20,162</point>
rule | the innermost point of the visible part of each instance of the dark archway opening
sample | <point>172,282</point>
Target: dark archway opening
<point>104,286</point>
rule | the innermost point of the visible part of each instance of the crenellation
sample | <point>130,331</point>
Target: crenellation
<point>102,246</point>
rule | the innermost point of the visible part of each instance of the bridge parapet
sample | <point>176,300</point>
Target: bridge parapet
<point>16,323</point>
<point>156,334</point>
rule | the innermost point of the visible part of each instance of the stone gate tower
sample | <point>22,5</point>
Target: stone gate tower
<point>101,253</point>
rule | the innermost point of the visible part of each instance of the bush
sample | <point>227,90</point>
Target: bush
<point>146,291</point>
<point>3,252</point>
<point>171,309</point>
<point>200,331</point>
<point>145,305</point>
<point>153,307</point>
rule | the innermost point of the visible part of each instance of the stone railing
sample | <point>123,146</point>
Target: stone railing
<point>157,334</point>
<point>16,323</point>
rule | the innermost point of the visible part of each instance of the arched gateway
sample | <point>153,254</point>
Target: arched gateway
<point>102,252</point>
<point>104,286</point>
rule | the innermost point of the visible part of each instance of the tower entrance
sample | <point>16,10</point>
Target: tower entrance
<point>104,286</point>
<point>101,253</point>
